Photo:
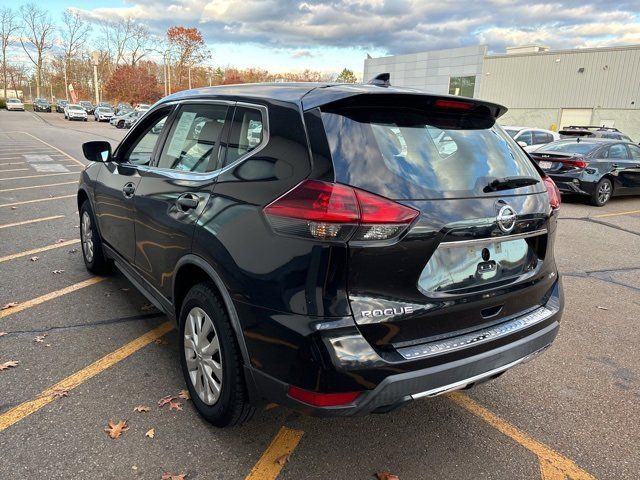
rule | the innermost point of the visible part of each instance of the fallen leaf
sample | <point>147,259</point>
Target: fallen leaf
<point>14,208</point>
<point>60,240</point>
<point>161,341</point>
<point>124,289</point>
<point>283,459</point>
<point>40,338</point>
<point>9,364</point>
<point>164,400</point>
<point>184,394</point>
<point>602,308</point>
<point>177,406</point>
<point>147,306</point>
<point>115,429</point>
<point>171,476</point>
<point>2,334</point>
<point>141,408</point>
<point>59,393</point>
<point>34,259</point>
<point>9,305</point>
<point>57,272</point>
<point>73,250</point>
<point>386,476</point>
<point>151,433</point>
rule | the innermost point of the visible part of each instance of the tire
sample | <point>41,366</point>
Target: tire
<point>602,193</point>
<point>231,405</point>
<point>92,253</point>
<point>120,124</point>
<point>86,119</point>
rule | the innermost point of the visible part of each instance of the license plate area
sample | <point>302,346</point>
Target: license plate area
<point>545,165</point>
<point>463,267</point>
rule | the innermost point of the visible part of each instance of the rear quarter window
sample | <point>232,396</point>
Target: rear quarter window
<point>411,154</point>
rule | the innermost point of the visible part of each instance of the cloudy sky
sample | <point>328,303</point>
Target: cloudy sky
<point>329,35</point>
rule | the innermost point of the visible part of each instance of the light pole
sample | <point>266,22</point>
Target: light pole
<point>95,59</point>
<point>209,72</point>
<point>189,77</point>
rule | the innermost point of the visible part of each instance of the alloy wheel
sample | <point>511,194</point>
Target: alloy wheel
<point>604,192</point>
<point>203,355</point>
<point>87,237</point>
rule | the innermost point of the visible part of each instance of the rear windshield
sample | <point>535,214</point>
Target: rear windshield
<point>570,147</point>
<point>413,154</point>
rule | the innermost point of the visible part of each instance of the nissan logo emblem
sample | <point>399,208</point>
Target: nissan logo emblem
<point>506,218</point>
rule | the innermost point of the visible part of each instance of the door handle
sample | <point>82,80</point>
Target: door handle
<point>188,201</point>
<point>615,165</point>
<point>128,190</point>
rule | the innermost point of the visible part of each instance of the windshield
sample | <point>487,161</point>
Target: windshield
<point>411,154</point>
<point>570,147</point>
<point>75,107</point>
<point>13,100</point>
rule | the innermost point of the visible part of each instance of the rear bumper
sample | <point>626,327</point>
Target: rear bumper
<point>435,379</point>
<point>574,184</point>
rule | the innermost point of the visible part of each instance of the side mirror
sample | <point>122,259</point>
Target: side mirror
<point>522,144</point>
<point>97,151</point>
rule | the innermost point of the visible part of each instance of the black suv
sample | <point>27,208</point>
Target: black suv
<point>591,131</point>
<point>336,249</point>
<point>41,105</point>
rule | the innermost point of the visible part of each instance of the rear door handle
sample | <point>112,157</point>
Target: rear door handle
<point>188,201</point>
<point>128,190</point>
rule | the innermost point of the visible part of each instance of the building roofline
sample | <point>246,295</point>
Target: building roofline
<point>567,51</point>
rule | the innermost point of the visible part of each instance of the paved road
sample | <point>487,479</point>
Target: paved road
<point>572,412</point>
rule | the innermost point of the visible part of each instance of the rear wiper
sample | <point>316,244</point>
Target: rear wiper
<point>508,183</point>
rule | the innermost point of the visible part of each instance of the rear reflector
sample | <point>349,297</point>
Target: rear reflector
<point>322,399</point>
<point>552,192</point>
<point>336,212</point>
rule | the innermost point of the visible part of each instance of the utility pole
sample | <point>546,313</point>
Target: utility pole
<point>66,82</point>
<point>189,77</point>
<point>164,72</point>
<point>209,72</point>
<point>95,57</point>
<point>168,74</point>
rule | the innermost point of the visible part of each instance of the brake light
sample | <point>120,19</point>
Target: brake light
<point>453,104</point>
<point>552,192</point>
<point>575,162</point>
<point>336,212</point>
<point>322,399</point>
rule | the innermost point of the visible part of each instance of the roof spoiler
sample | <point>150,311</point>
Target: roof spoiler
<point>381,80</point>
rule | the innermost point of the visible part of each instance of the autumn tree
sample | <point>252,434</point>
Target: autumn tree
<point>38,30</point>
<point>189,48</point>
<point>74,34</point>
<point>132,84</point>
<point>8,27</point>
<point>346,76</point>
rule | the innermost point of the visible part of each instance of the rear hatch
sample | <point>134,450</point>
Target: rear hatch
<point>457,268</point>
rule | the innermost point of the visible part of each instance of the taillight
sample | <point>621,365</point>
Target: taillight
<point>552,192</point>
<point>575,162</point>
<point>322,399</point>
<point>336,212</point>
<point>453,104</point>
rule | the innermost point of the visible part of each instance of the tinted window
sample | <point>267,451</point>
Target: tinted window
<point>140,152</point>
<point>411,154</point>
<point>635,152</point>
<point>541,137</point>
<point>583,148</point>
<point>246,133</point>
<point>618,151</point>
<point>525,137</point>
<point>193,141</point>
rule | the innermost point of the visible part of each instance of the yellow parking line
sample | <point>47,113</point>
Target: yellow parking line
<point>56,148</point>
<point>27,408</point>
<point>37,186</point>
<point>50,296</point>
<point>14,170</point>
<point>39,176</point>
<point>284,443</point>
<point>27,253</point>
<point>552,463</point>
<point>34,220</point>
<point>602,215</point>
<point>36,200</point>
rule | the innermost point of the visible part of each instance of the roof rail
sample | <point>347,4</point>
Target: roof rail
<point>592,127</point>
<point>381,80</point>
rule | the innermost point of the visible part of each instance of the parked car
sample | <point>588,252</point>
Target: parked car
<point>297,276</point>
<point>60,104</point>
<point>103,114</point>
<point>123,107</point>
<point>88,106</point>
<point>74,111</point>
<point>531,138</point>
<point>132,118</point>
<point>41,105</point>
<point>14,104</point>
<point>597,168</point>
<point>591,131</point>
<point>123,120</point>
<point>105,104</point>
<point>142,107</point>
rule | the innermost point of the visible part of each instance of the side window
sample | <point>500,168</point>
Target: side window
<point>635,152</point>
<point>525,137</point>
<point>140,152</point>
<point>246,133</point>
<point>541,137</point>
<point>194,139</point>
<point>618,152</point>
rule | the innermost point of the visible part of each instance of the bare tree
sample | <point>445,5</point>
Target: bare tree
<point>38,33</point>
<point>74,34</point>
<point>139,43</point>
<point>8,26</point>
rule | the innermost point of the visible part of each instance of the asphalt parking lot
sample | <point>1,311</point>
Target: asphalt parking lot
<point>97,345</point>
